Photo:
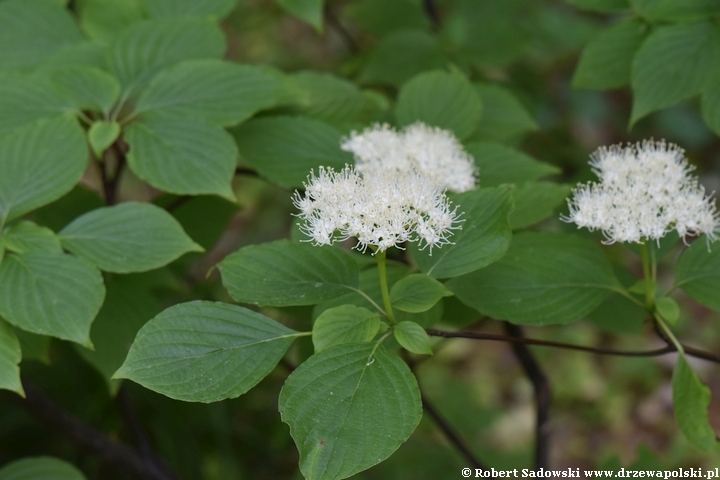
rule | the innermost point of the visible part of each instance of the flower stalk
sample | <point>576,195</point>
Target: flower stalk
<point>382,271</point>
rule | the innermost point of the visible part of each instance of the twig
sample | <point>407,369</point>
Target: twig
<point>108,450</point>
<point>249,172</point>
<point>152,461</point>
<point>110,179</point>
<point>178,202</point>
<point>333,21</point>
<point>543,396</point>
<point>692,351</point>
<point>431,11</point>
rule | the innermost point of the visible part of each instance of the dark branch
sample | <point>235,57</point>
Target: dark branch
<point>543,396</point>
<point>111,176</point>
<point>153,462</point>
<point>692,351</point>
<point>85,436</point>
<point>332,20</point>
<point>431,11</point>
<point>249,172</point>
<point>178,202</point>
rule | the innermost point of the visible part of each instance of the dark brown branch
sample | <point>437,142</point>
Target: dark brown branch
<point>567,346</point>
<point>692,351</point>
<point>153,462</point>
<point>178,202</point>
<point>85,436</point>
<point>111,178</point>
<point>432,13</point>
<point>543,396</point>
<point>248,172</point>
<point>333,21</point>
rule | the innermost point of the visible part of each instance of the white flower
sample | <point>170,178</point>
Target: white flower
<point>431,151</point>
<point>645,191</point>
<point>379,209</point>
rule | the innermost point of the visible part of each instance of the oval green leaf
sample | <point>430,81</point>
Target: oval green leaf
<point>205,351</point>
<point>40,468</point>
<point>691,399</point>
<point>697,273</point>
<point>417,293</point>
<point>101,135</point>
<point>483,238</point>
<point>89,88</point>
<point>344,324</point>
<point>284,273</point>
<point>500,164</point>
<point>504,117</point>
<point>189,8</point>
<point>443,99</point>
<point>25,236</point>
<point>412,337</point>
<point>129,237</point>
<point>535,201</point>
<point>10,356</point>
<point>309,11</point>
<point>545,278</point>
<point>25,99</point>
<point>52,294</point>
<point>349,407</point>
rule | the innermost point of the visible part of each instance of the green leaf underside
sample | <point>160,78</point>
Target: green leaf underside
<point>283,273</point>
<point>183,156</point>
<point>503,116</point>
<point>309,11</point>
<point>101,135</point>
<point>39,164</point>
<point>483,238</point>
<point>284,149</point>
<point>25,236</point>
<point>344,324</point>
<point>369,280</point>
<point>40,468</point>
<point>417,293</point>
<point>536,201</point>
<point>25,99</point>
<point>205,351</point>
<point>402,55</point>
<point>691,399</point>
<point>668,309</point>
<point>500,164</point>
<point>88,88</point>
<point>697,273</point>
<point>607,60</point>
<point>218,92</point>
<point>672,65</point>
<point>129,237</point>
<point>349,408</point>
<point>147,47</point>
<point>51,294</point>
<point>181,8</point>
<point>103,20</point>
<point>412,337</point>
<point>446,100</point>
<point>545,278</point>
<point>32,31</point>
<point>10,356</point>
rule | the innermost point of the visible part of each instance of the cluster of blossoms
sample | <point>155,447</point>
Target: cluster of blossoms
<point>379,209</point>
<point>645,191</point>
<point>430,151</point>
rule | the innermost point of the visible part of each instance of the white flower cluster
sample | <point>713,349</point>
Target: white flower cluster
<point>431,151</point>
<point>379,209</point>
<point>645,191</point>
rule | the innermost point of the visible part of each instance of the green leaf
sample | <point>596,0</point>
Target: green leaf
<point>128,305</point>
<point>10,356</point>
<point>413,338</point>
<point>25,99</point>
<point>147,47</point>
<point>25,236</point>
<point>675,10</point>
<point>503,117</point>
<point>101,135</point>
<point>103,20</point>
<point>344,324</point>
<point>218,92</point>
<point>205,351</point>
<point>129,237</point>
<point>283,273</point>
<point>603,6</point>
<point>535,201</point>
<point>668,309</point>
<point>500,164</point>
<point>52,294</point>
<point>285,149</point>
<point>443,99</point>
<point>40,468</point>
<point>697,272</point>
<point>34,347</point>
<point>183,156</point>
<point>89,88</point>
<point>349,407</point>
<point>381,17</point>
<point>607,60</point>
<point>402,55</point>
<point>309,11</point>
<point>545,278</point>
<point>417,293</point>
<point>672,65</point>
<point>182,8</point>
<point>483,238</point>
<point>32,31</point>
<point>334,100</point>
<point>691,399</point>
<point>711,108</point>
<point>38,164</point>
<point>88,53</point>
<point>618,315</point>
